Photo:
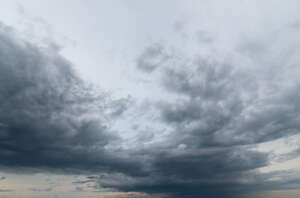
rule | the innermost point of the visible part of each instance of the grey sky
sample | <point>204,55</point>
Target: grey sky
<point>149,99</point>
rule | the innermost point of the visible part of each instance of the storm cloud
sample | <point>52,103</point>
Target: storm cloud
<point>51,119</point>
<point>217,111</point>
<point>200,134</point>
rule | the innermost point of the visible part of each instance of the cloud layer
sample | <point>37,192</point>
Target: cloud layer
<point>202,131</point>
<point>50,119</point>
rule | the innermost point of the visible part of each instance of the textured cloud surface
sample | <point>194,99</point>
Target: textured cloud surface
<point>223,119</point>
<point>218,110</point>
<point>49,118</point>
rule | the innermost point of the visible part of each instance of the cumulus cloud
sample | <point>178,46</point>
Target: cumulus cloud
<point>218,109</point>
<point>204,129</point>
<point>51,119</point>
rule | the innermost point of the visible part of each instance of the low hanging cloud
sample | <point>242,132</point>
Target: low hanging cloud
<point>215,110</point>
<point>41,189</point>
<point>51,119</point>
<point>218,111</point>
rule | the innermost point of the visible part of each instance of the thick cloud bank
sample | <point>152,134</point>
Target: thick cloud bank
<point>49,118</point>
<point>218,108</point>
<point>213,112</point>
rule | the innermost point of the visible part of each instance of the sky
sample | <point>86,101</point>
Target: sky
<point>149,99</point>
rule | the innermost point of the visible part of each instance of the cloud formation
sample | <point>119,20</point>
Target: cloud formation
<point>50,119</point>
<point>213,112</point>
<point>218,111</point>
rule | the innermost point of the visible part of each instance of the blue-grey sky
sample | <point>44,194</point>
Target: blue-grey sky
<point>138,99</point>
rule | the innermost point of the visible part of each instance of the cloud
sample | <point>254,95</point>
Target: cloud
<point>151,58</point>
<point>51,119</point>
<point>217,110</point>
<point>41,189</point>
<point>204,129</point>
<point>6,190</point>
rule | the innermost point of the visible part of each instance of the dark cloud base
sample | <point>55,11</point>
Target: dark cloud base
<point>51,120</point>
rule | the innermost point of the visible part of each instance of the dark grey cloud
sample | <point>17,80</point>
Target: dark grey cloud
<point>218,110</point>
<point>216,113</point>
<point>50,119</point>
<point>6,190</point>
<point>41,189</point>
<point>152,57</point>
<point>215,110</point>
<point>210,173</point>
<point>83,181</point>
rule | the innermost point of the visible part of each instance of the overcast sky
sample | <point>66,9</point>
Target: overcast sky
<point>140,99</point>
